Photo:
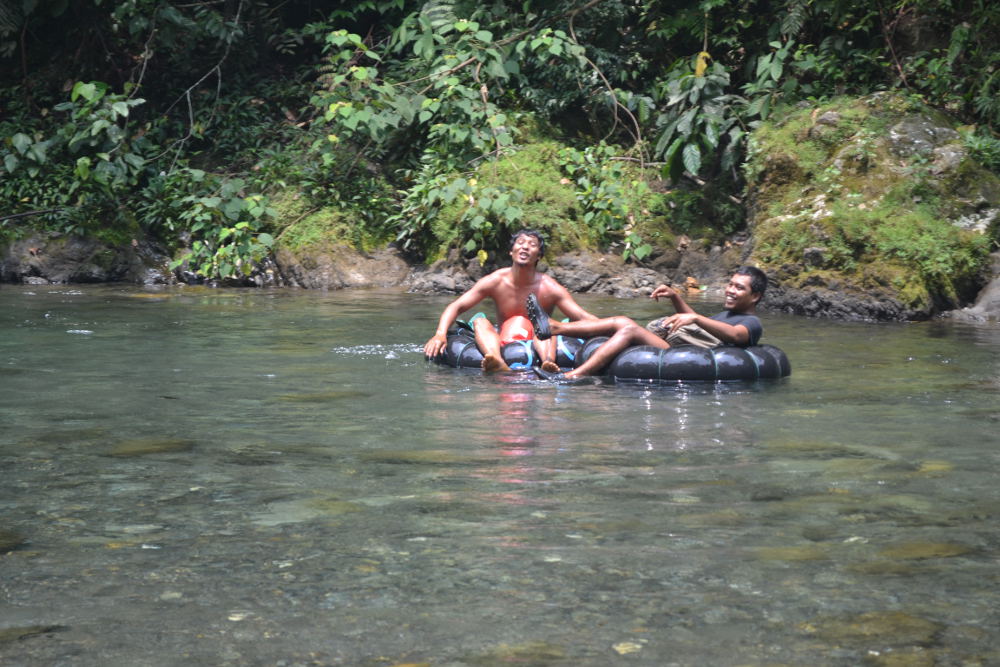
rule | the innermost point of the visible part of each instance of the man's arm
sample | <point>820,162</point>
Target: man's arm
<point>567,304</point>
<point>680,305</point>
<point>481,290</point>
<point>727,333</point>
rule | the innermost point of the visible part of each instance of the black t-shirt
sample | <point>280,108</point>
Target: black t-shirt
<point>751,322</point>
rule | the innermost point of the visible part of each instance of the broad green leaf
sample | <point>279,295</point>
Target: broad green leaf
<point>711,135</point>
<point>85,90</point>
<point>135,160</point>
<point>265,239</point>
<point>10,162</point>
<point>120,108</point>
<point>755,107</point>
<point>98,126</point>
<point>684,124</point>
<point>776,67</point>
<point>83,168</point>
<point>21,142</point>
<point>692,158</point>
<point>424,47</point>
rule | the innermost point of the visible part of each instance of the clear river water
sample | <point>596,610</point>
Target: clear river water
<point>230,477</point>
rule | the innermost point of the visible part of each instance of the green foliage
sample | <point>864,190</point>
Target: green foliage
<point>700,121</point>
<point>226,227</point>
<point>86,167</point>
<point>606,195</point>
<point>985,148</point>
<point>487,215</point>
<point>439,101</point>
<point>770,84</point>
<point>406,120</point>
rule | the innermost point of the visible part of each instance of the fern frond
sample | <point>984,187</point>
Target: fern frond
<point>797,11</point>
<point>439,13</point>
<point>10,16</point>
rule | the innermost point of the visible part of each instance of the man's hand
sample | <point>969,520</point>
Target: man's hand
<point>664,290</point>
<point>433,347</point>
<point>675,322</point>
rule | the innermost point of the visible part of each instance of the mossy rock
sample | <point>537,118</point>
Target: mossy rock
<point>868,209</point>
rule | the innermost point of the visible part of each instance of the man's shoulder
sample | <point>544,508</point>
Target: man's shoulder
<point>545,280</point>
<point>733,316</point>
<point>491,280</point>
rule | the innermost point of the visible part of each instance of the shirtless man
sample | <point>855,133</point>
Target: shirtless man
<point>509,289</point>
<point>736,325</point>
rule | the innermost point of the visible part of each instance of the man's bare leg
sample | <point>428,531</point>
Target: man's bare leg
<point>622,338</point>
<point>488,341</point>
<point>606,326</point>
<point>546,350</point>
<point>623,332</point>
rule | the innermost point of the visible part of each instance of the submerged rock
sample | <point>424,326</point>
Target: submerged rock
<point>924,550</point>
<point>144,446</point>
<point>17,634</point>
<point>893,628</point>
<point>9,541</point>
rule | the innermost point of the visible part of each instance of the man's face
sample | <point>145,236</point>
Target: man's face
<point>738,294</point>
<point>526,250</point>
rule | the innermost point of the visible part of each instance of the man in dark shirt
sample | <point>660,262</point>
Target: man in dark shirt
<point>736,325</point>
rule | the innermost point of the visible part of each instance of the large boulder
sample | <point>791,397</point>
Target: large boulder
<point>56,259</point>
<point>987,305</point>
<point>339,266</point>
<point>869,209</point>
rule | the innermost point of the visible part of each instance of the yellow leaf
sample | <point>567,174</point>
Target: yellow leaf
<point>703,59</point>
<point>481,256</point>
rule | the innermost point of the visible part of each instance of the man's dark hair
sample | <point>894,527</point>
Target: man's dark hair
<point>529,232</point>
<point>758,279</point>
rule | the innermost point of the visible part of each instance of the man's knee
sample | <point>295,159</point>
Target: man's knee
<point>482,325</point>
<point>630,329</point>
<point>621,322</point>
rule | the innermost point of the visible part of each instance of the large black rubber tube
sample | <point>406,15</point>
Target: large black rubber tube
<point>688,363</point>
<point>461,352</point>
<point>684,363</point>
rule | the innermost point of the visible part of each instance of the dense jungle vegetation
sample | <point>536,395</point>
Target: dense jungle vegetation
<point>227,126</point>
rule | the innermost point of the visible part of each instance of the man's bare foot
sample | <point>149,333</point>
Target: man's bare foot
<point>493,364</point>
<point>562,378</point>
<point>550,366</point>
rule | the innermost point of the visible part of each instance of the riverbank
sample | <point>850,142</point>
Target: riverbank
<point>41,260</point>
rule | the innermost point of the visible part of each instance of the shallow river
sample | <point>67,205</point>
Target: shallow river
<point>215,477</point>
